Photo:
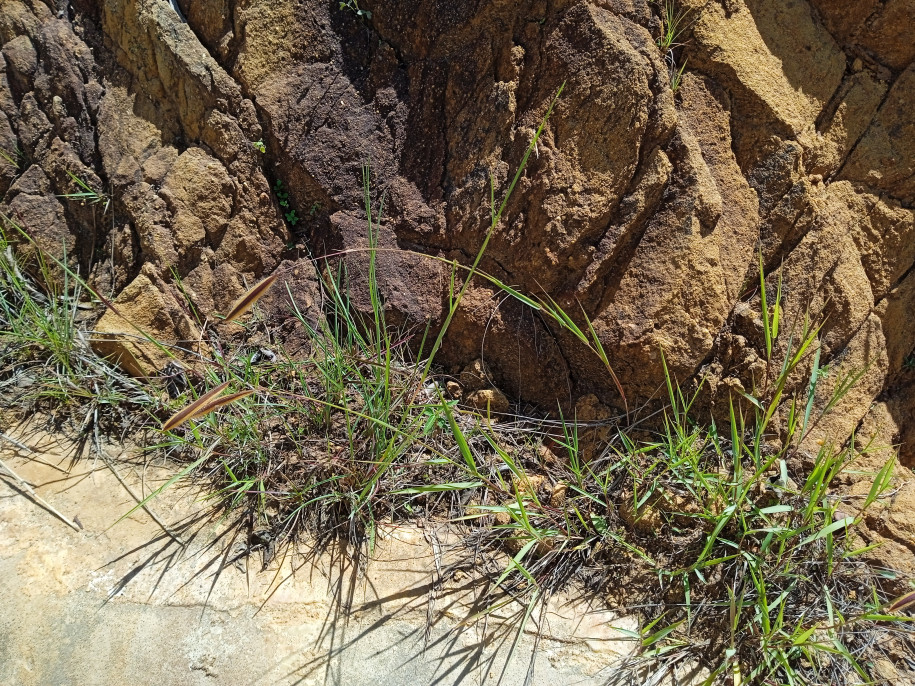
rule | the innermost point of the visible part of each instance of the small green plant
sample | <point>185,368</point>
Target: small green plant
<point>260,146</point>
<point>909,362</point>
<point>673,24</point>
<point>87,194</point>
<point>791,603</point>
<point>11,158</point>
<point>281,194</point>
<point>353,6</point>
<point>436,418</point>
<point>315,207</point>
<point>676,76</point>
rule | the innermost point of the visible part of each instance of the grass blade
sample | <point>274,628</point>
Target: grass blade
<point>825,531</point>
<point>881,482</point>
<point>186,413</point>
<point>246,302</point>
<point>460,438</point>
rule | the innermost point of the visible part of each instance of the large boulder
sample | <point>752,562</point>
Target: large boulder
<point>645,210</point>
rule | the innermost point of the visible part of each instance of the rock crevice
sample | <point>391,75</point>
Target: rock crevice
<point>791,134</point>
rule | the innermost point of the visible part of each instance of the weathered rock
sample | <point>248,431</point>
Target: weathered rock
<point>791,136</point>
<point>21,63</point>
<point>592,439</point>
<point>148,120</point>
<point>685,274</point>
<point>146,310</point>
<point>199,195</point>
<point>884,159</point>
<point>294,302</point>
<point>846,120</point>
<point>775,56</point>
<point>32,207</point>
<point>875,30</point>
<point>475,376</point>
<point>489,400</point>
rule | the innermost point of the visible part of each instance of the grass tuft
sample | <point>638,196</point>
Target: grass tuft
<point>675,21</point>
<point>46,363</point>
<point>87,194</point>
<point>729,543</point>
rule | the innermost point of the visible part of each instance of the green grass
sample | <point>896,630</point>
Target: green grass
<point>908,364</point>
<point>360,391</point>
<point>766,578</point>
<point>45,359</point>
<point>726,543</point>
<point>11,159</point>
<point>675,21</point>
<point>676,76</point>
<point>86,194</point>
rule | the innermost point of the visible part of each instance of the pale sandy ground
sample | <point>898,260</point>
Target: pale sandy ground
<point>125,604</point>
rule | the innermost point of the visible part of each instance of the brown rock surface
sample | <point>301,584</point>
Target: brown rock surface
<point>489,400</point>
<point>884,159</point>
<point>145,309</point>
<point>792,133</point>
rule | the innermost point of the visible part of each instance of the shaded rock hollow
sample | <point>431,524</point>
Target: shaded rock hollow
<point>792,136</point>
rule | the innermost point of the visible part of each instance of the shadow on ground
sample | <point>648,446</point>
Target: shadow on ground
<point>190,600</point>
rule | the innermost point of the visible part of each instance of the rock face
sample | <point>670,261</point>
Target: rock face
<point>124,99</point>
<point>791,136</point>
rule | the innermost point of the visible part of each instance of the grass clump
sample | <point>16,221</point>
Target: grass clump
<point>761,578</point>
<point>11,159</point>
<point>733,563</point>
<point>728,542</point>
<point>377,410</point>
<point>86,194</point>
<point>46,362</point>
<point>675,21</point>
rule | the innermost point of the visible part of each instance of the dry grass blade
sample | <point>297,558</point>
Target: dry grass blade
<point>902,602</point>
<point>41,501</point>
<point>200,409</point>
<point>219,402</point>
<point>191,410</point>
<point>245,302</point>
